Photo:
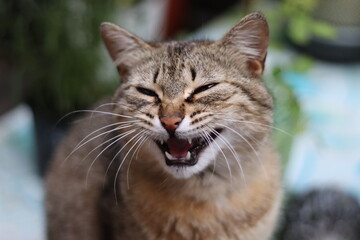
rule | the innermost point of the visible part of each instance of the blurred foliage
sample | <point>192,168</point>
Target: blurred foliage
<point>294,19</point>
<point>54,46</point>
<point>288,116</point>
<point>301,63</point>
<point>297,16</point>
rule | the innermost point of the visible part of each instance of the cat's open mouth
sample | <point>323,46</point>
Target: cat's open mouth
<point>185,152</point>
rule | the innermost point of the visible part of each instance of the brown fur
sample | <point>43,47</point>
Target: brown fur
<point>232,192</point>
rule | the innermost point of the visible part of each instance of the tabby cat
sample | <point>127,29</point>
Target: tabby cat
<point>181,152</point>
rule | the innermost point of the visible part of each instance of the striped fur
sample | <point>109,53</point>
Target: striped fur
<point>232,191</point>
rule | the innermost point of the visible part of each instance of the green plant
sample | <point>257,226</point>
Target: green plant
<point>288,116</point>
<point>294,19</point>
<point>54,46</point>
<point>301,26</point>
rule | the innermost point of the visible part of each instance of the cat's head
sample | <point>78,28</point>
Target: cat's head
<point>196,101</point>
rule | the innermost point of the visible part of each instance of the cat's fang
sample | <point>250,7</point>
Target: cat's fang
<point>190,141</point>
<point>188,156</point>
<point>168,155</point>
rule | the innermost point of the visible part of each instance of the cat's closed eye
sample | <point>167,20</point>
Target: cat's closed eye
<point>147,92</point>
<point>199,90</point>
<point>204,88</point>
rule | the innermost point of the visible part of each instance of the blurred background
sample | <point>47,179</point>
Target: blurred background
<point>52,62</point>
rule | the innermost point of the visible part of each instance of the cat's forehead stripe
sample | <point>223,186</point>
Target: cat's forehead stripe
<point>156,75</point>
<point>175,59</point>
<point>173,68</point>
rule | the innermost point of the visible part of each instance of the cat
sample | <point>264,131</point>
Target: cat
<point>181,152</point>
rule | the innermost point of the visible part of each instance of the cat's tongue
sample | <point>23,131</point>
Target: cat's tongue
<point>178,148</point>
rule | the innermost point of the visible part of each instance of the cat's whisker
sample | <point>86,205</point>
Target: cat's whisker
<point>105,104</point>
<point>137,154</point>
<point>85,118</point>
<point>226,160</point>
<point>205,135</point>
<point>83,142</point>
<point>257,123</point>
<point>205,107</point>
<point>252,138</point>
<point>113,159</point>
<point>91,139</point>
<point>100,145</point>
<point>250,145</point>
<point>119,137</point>
<point>242,137</point>
<point>102,105</point>
<point>123,160</point>
<point>142,140</point>
<point>93,111</point>
<point>135,109</point>
<point>230,147</point>
<point>248,135</point>
<point>122,124</point>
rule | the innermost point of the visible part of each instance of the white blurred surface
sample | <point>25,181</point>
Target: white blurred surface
<point>21,191</point>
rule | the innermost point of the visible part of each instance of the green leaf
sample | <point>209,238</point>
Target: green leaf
<point>323,30</point>
<point>302,64</point>
<point>299,30</point>
<point>307,5</point>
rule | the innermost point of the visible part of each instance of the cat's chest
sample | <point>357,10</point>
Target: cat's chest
<point>163,216</point>
<point>217,211</point>
<point>183,219</point>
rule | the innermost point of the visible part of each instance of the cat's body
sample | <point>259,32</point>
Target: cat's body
<point>193,158</point>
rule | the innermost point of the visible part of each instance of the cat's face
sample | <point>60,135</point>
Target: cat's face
<point>195,101</point>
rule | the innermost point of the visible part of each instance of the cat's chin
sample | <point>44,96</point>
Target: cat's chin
<point>186,172</point>
<point>183,157</point>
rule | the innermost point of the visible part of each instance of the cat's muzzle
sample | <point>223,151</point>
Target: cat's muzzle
<point>185,152</point>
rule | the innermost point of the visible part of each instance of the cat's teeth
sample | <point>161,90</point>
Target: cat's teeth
<point>161,142</point>
<point>168,155</point>
<point>189,140</point>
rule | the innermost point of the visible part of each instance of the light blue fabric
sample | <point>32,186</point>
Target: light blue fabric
<point>327,153</point>
<point>21,190</point>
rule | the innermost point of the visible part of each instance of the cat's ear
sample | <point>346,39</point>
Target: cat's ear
<point>249,37</point>
<point>124,48</point>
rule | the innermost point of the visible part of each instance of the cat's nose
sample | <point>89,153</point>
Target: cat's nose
<point>170,123</point>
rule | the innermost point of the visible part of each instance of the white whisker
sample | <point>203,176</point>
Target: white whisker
<point>142,140</point>
<point>260,124</point>
<point>232,150</point>
<point>250,145</point>
<point>102,105</point>
<point>125,123</point>
<point>94,111</point>
<point>109,140</point>
<point>204,134</point>
<point>226,160</point>
<point>99,135</point>
<point>119,137</point>
<point>113,159</point>
<point>123,160</point>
